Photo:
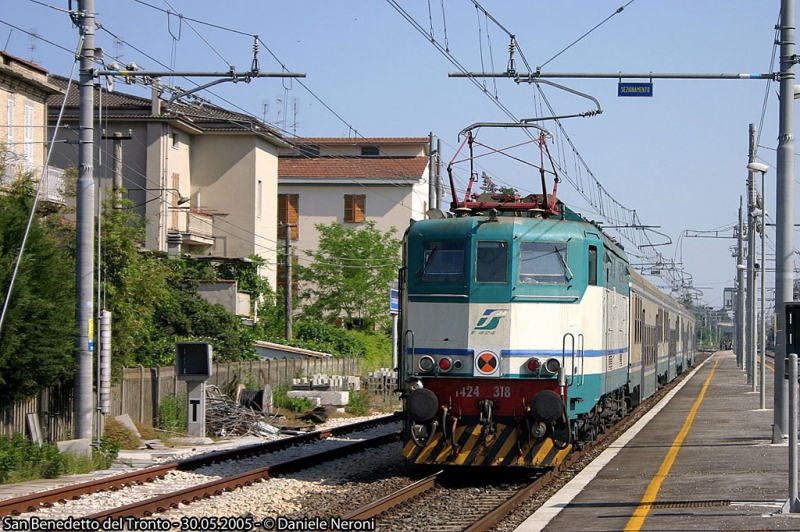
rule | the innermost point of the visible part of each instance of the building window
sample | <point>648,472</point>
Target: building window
<point>259,197</point>
<point>11,124</point>
<point>176,140</point>
<point>355,208</point>
<point>309,150</point>
<point>287,214</point>
<point>370,151</point>
<point>28,138</point>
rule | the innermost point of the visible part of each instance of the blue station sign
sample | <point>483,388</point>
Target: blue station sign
<point>635,89</point>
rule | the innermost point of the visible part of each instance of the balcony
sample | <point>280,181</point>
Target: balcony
<point>196,227</point>
<point>52,186</point>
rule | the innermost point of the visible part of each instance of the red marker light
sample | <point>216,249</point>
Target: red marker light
<point>532,364</point>
<point>445,364</point>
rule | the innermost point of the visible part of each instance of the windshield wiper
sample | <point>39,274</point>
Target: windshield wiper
<point>568,273</point>
<point>424,265</point>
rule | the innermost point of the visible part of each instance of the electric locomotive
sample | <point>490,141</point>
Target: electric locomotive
<point>525,333</point>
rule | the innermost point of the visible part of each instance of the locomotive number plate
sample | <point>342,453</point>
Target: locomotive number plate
<point>489,391</point>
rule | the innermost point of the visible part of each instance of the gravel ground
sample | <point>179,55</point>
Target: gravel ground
<point>306,492</point>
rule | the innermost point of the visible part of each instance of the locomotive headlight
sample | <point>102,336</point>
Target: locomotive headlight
<point>533,365</point>
<point>552,365</point>
<point>445,364</point>
<point>427,363</point>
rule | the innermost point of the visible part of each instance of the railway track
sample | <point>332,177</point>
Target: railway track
<point>435,504</point>
<point>36,501</point>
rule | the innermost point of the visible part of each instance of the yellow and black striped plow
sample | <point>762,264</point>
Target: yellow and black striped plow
<point>498,449</point>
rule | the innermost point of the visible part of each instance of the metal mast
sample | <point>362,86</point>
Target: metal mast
<point>85,227</point>
<point>784,205</point>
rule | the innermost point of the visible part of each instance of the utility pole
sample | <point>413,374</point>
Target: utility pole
<point>85,226</point>
<point>784,216</point>
<point>740,344</point>
<point>751,264</point>
<point>431,172</point>
<point>287,286</point>
<point>117,138</point>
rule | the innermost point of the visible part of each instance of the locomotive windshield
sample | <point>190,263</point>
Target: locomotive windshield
<point>492,262</point>
<point>543,262</point>
<point>442,262</point>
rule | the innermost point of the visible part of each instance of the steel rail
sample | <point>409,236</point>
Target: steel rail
<point>35,501</point>
<point>162,503</point>
<point>393,499</point>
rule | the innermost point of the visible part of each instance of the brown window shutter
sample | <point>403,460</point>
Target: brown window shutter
<point>288,214</point>
<point>282,201</point>
<point>348,208</point>
<point>360,208</point>
<point>355,208</point>
<point>292,214</point>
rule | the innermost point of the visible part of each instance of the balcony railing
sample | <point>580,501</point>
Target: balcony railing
<point>52,185</point>
<point>196,226</point>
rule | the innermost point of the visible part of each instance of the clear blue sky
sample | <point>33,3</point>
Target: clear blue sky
<point>678,159</point>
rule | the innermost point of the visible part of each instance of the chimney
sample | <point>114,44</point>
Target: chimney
<point>155,104</point>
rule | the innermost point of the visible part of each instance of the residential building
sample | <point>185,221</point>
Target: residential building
<point>351,181</point>
<point>204,178</point>
<point>24,89</point>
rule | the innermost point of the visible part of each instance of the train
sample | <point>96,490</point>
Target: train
<point>524,332</point>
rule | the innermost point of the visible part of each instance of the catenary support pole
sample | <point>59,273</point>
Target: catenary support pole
<point>287,287</point>
<point>740,288</point>
<point>762,369</point>
<point>85,227</point>
<point>784,214</point>
<point>750,313</point>
<point>431,171</point>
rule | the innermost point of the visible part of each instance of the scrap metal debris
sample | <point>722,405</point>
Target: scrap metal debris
<point>226,417</point>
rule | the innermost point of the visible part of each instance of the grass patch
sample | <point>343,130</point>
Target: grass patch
<point>21,460</point>
<point>172,414</point>
<point>297,405</point>
<point>359,404</point>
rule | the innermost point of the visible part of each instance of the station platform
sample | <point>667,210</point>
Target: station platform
<point>702,459</point>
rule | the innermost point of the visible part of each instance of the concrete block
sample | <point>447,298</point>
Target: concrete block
<point>79,448</point>
<point>126,420</point>
<point>326,397</point>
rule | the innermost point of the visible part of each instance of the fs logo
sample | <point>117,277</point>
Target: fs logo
<point>490,319</point>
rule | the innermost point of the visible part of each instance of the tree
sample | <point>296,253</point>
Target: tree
<point>350,274</point>
<point>154,303</point>
<point>38,336</point>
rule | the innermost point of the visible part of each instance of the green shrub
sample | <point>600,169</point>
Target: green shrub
<point>120,436</point>
<point>172,414</point>
<point>20,460</point>
<point>359,403</point>
<point>292,404</point>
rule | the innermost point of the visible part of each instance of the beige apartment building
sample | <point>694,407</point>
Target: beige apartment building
<point>351,181</point>
<point>24,89</point>
<point>204,178</point>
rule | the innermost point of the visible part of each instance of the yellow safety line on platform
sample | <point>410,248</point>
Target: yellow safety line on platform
<point>640,514</point>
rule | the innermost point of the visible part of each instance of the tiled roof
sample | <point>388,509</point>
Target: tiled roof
<point>204,116</point>
<point>8,58</point>
<point>331,141</point>
<point>352,167</point>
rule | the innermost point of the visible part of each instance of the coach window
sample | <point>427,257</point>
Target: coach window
<point>442,262</point>
<point>543,262</point>
<point>593,265</point>
<point>492,262</point>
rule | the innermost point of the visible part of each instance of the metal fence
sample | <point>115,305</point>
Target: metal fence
<point>141,390</point>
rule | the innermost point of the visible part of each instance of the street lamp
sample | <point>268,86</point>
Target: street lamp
<point>762,168</point>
